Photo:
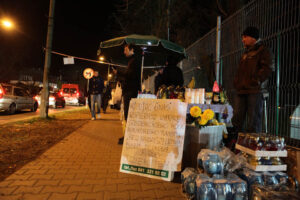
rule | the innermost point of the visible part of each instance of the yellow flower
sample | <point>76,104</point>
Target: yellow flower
<point>202,121</point>
<point>195,111</point>
<point>208,114</point>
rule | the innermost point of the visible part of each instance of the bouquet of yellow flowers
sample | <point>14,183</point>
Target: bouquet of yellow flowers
<point>205,118</point>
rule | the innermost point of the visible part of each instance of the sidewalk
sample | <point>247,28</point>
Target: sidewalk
<point>85,165</point>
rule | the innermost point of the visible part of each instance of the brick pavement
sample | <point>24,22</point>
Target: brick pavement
<point>85,165</point>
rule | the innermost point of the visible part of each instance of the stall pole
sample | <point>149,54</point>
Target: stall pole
<point>218,44</point>
<point>142,67</point>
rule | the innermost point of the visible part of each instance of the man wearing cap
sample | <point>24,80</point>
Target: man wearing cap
<point>254,69</point>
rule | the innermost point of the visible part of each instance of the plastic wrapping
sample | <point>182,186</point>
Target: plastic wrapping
<point>210,162</point>
<point>188,178</point>
<point>269,179</point>
<point>223,188</point>
<point>277,193</point>
<point>205,188</point>
<point>282,178</point>
<point>219,187</point>
<point>252,178</point>
<point>214,162</point>
<point>238,187</point>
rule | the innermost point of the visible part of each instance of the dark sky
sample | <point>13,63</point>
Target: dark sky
<point>79,26</point>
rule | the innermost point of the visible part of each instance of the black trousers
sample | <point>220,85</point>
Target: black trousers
<point>127,96</point>
<point>250,105</point>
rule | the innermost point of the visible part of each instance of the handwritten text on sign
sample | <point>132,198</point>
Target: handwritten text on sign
<point>154,137</point>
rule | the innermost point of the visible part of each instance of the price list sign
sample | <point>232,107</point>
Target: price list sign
<point>154,137</point>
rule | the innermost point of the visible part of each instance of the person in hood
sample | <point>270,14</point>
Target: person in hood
<point>254,69</point>
<point>172,75</point>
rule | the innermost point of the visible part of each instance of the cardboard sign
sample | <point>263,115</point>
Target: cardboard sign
<point>154,137</point>
<point>68,60</point>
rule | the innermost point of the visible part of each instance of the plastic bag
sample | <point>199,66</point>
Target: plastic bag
<point>278,193</point>
<point>205,187</point>
<point>230,161</point>
<point>210,162</point>
<point>188,179</point>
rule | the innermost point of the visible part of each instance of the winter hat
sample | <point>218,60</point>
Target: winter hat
<point>252,32</point>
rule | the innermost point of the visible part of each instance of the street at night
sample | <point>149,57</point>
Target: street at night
<point>140,100</point>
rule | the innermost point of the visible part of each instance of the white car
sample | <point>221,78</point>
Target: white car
<point>13,98</point>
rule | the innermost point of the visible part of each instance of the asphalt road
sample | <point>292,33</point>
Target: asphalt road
<point>27,114</point>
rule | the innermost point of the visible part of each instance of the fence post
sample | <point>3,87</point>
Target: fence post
<point>277,84</point>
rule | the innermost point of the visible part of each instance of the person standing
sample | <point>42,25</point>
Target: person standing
<point>172,74</point>
<point>131,78</point>
<point>96,86</point>
<point>106,96</point>
<point>158,79</point>
<point>254,69</point>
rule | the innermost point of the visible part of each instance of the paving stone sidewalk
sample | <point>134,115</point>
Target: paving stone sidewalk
<point>85,165</point>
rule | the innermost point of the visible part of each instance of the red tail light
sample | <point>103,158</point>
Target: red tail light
<point>1,93</point>
<point>36,98</point>
<point>77,94</point>
<point>61,93</point>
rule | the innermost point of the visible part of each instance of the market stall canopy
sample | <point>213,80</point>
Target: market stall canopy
<point>156,50</point>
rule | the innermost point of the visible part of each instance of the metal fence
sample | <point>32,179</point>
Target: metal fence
<point>279,22</point>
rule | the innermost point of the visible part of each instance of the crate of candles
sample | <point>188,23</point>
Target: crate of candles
<point>261,145</point>
<point>265,163</point>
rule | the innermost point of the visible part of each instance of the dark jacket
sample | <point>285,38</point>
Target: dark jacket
<point>254,69</point>
<point>107,92</point>
<point>96,85</point>
<point>157,82</point>
<point>172,75</point>
<point>132,75</point>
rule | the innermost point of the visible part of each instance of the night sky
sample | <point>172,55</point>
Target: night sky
<point>79,26</point>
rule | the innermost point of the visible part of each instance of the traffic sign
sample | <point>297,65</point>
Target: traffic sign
<point>88,73</point>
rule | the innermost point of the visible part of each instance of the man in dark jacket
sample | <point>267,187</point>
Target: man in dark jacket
<point>254,69</point>
<point>131,78</point>
<point>172,74</point>
<point>96,86</point>
<point>106,96</point>
<point>158,79</point>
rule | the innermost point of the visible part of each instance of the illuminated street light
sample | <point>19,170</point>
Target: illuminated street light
<point>109,75</point>
<point>7,24</point>
<point>101,58</point>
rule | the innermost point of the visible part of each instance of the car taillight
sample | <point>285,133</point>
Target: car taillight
<point>77,94</point>
<point>61,93</point>
<point>2,92</point>
<point>36,98</point>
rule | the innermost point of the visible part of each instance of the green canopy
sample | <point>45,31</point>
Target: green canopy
<point>156,50</point>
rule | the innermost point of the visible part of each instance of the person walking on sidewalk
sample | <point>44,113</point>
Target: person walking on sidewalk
<point>254,69</point>
<point>96,86</point>
<point>131,76</point>
<point>106,96</point>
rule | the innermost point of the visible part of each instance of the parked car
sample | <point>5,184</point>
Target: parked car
<point>13,98</point>
<point>72,94</point>
<point>55,100</point>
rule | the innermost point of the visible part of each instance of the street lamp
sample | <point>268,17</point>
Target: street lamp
<point>6,23</point>
<point>101,58</point>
